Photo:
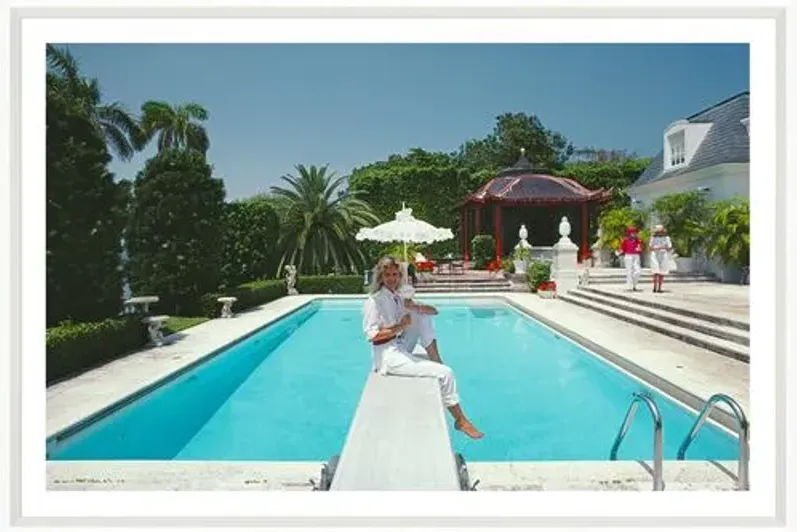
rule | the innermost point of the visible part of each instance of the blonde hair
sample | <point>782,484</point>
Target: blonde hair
<point>384,263</point>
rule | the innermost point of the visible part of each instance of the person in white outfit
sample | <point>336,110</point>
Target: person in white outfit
<point>660,247</point>
<point>394,331</point>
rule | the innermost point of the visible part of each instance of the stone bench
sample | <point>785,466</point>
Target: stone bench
<point>226,310</point>
<point>144,301</point>
<point>155,329</point>
<point>398,439</point>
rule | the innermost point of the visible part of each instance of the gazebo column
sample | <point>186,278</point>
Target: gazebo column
<point>499,251</point>
<point>463,233</point>
<point>584,232</point>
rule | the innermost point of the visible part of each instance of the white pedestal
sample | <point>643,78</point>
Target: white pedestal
<point>564,269</point>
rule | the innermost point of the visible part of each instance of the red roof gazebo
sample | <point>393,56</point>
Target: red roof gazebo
<point>521,189</point>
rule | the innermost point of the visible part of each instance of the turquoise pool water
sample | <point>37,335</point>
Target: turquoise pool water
<point>290,391</point>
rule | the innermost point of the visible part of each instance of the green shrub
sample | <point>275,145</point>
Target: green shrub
<point>75,347</point>
<point>483,250</point>
<point>729,231</point>
<point>538,272</point>
<point>252,294</point>
<point>685,215</point>
<point>329,284</point>
<point>508,265</point>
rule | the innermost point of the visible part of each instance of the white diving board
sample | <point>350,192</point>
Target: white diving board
<point>398,439</point>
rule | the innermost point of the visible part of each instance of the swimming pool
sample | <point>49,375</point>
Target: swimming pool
<point>289,393</point>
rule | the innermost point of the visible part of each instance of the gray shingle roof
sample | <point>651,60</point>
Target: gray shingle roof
<point>726,142</point>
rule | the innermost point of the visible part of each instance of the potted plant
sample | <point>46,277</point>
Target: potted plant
<point>538,272</point>
<point>546,289</point>
<point>520,259</point>
<point>728,238</point>
<point>684,216</point>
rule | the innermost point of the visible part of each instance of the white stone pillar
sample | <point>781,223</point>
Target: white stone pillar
<point>564,269</point>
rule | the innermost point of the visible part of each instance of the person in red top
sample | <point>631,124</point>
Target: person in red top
<point>631,250</point>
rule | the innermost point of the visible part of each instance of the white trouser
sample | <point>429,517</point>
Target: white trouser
<point>396,358</point>
<point>632,270</point>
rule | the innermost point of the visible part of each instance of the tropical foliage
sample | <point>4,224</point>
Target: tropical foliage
<point>729,232</point>
<point>685,216</point>
<point>318,232</point>
<point>175,230</point>
<point>119,129</point>
<point>614,222</point>
<point>86,209</point>
<point>175,126</point>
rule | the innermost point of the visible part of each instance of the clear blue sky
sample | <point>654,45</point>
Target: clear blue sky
<point>273,106</point>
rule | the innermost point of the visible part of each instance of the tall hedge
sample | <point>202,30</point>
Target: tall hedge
<point>175,231</point>
<point>251,232</point>
<point>86,212</point>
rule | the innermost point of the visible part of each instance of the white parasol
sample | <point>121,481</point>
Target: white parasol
<point>407,229</point>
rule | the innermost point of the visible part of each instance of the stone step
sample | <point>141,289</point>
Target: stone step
<point>458,280</point>
<point>648,278</point>
<point>705,341</point>
<point>719,320</point>
<point>497,287</point>
<point>732,334</point>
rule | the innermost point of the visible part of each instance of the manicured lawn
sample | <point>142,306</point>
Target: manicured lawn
<point>178,323</point>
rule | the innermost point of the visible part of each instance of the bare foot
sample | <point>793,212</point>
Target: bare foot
<point>469,430</point>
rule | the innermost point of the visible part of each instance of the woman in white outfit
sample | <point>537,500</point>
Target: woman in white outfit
<point>660,247</point>
<point>394,331</point>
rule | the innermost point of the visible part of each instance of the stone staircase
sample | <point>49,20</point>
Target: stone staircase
<point>469,282</point>
<point>723,335</point>
<point>617,276</point>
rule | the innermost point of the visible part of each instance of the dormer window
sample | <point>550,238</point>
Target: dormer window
<point>677,145</point>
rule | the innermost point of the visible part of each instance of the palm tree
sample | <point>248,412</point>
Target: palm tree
<point>175,126</point>
<point>119,128</point>
<point>320,225</point>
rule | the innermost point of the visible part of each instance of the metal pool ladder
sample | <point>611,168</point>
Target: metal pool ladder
<point>658,480</point>
<point>743,426</point>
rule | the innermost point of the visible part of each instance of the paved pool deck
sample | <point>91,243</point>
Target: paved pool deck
<point>689,373</point>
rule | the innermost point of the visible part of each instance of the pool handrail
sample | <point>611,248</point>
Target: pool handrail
<point>658,480</point>
<point>743,427</point>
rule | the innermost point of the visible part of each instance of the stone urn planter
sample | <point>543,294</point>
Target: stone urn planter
<point>520,266</point>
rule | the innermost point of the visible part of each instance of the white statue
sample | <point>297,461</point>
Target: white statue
<point>524,235</point>
<point>290,279</point>
<point>564,228</point>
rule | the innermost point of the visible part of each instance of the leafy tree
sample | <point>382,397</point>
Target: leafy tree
<point>685,215</point>
<point>119,128</point>
<point>318,235</point>
<point>251,233</point>
<point>729,231</point>
<point>615,175</point>
<point>173,239</point>
<point>86,209</point>
<point>544,148</point>
<point>175,126</point>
